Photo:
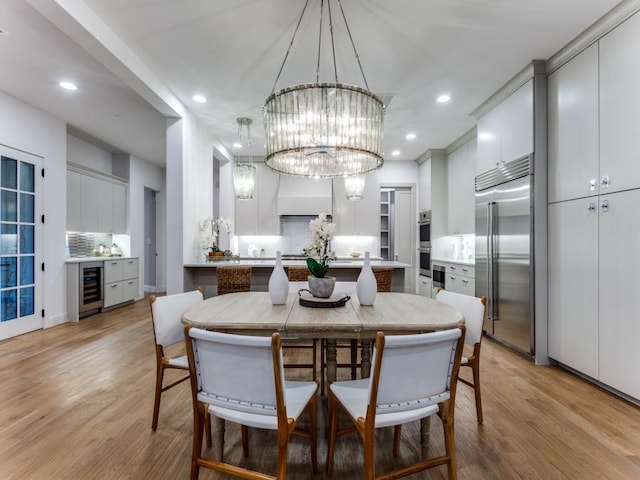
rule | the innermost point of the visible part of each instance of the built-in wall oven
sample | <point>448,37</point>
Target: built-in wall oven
<point>424,227</point>
<point>424,257</point>
<point>438,276</point>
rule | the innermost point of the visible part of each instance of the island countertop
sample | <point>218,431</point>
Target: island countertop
<point>270,263</point>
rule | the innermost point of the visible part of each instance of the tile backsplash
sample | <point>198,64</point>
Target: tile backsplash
<point>84,244</point>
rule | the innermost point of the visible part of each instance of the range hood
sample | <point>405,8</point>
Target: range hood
<point>304,196</point>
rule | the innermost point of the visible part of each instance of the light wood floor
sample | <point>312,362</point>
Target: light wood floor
<point>76,403</point>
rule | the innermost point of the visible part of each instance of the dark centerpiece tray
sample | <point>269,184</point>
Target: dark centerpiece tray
<point>335,300</point>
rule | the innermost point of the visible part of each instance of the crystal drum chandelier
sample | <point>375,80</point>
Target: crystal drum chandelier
<point>244,174</point>
<point>324,129</point>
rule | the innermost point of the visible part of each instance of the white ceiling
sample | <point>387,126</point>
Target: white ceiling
<point>137,62</point>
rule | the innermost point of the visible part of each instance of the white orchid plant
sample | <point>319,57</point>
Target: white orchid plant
<point>320,254</point>
<point>210,232</point>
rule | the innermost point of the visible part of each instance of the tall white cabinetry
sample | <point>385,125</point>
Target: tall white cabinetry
<point>506,132</point>
<point>594,272</point>
<point>356,217</point>
<point>461,170</point>
<point>259,215</point>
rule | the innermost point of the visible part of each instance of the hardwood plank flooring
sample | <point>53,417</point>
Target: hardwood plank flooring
<point>76,402</point>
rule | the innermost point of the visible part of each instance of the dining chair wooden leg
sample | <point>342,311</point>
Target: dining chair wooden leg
<point>198,431</point>
<point>245,440</point>
<point>449,443</point>
<point>476,387</point>
<point>425,435</point>
<point>207,425</point>
<point>333,427</point>
<point>369,440</point>
<point>397,434</point>
<point>156,401</point>
<point>281,469</point>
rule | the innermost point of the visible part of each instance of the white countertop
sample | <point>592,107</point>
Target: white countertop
<point>269,263</point>
<point>470,262</point>
<point>94,259</point>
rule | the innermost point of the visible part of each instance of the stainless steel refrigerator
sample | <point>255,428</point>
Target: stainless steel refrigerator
<point>504,252</point>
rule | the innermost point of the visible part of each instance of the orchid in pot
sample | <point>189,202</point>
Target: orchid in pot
<point>210,232</point>
<point>320,256</point>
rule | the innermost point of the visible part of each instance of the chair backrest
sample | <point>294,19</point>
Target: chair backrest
<point>414,370</point>
<point>472,309</point>
<point>297,273</point>
<point>237,371</point>
<point>384,276</point>
<point>232,279</point>
<point>166,313</point>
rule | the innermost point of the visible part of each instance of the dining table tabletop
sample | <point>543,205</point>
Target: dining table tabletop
<point>252,313</point>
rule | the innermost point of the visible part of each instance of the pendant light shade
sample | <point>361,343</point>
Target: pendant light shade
<point>324,129</point>
<point>244,180</point>
<point>354,187</point>
<point>244,174</point>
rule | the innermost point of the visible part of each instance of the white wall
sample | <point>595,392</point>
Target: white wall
<point>26,128</point>
<point>87,155</point>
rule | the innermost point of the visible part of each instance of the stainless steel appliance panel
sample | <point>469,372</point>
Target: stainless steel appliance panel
<point>504,272</point>
<point>424,255</point>
<point>438,273</point>
<point>424,228</point>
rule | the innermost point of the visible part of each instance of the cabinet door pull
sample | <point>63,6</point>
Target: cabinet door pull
<point>605,182</point>
<point>465,269</point>
<point>592,207</point>
<point>604,205</point>
<point>452,278</point>
<point>452,267</point>
<point>465,281</point>
<point>592,184</point>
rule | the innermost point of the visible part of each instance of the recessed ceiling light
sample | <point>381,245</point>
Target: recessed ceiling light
<point>395,153</point>
<point>237,145</point>
<point>410,136</point>
<point>199,99</point>
<point>443,99</point>
<point>68,85</point>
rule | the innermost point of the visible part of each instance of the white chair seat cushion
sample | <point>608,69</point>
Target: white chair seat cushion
<point>297,395</point>
<point>182,361</point>
<point>354,395</point>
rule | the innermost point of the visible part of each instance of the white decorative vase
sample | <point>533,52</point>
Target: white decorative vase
<point>278,283</point>
<point>322,287</point>
<point>367,286</point>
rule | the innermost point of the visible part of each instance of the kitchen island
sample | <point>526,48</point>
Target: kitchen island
<point>204,274</point>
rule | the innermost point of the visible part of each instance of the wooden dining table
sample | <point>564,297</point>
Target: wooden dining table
<point>252,313</point>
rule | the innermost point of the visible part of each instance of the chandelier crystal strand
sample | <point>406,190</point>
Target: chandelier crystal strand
<point>324,129</point>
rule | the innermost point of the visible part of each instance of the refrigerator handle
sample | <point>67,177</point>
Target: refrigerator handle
<point>495,314</point>
<point>490,261</point>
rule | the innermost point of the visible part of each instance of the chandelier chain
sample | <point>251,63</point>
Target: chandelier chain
<point>355,51</point>
<point>333,45</point>
<point>286,55</point>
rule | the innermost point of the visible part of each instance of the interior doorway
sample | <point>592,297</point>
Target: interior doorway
<point>150,248</point>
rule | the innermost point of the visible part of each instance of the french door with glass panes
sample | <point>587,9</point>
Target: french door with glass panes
<point>20,243</point>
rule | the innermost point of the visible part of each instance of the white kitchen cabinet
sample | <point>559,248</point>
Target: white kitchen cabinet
<point>573,168</point>
<point>461,165</point>
<point>460,278</point>
<point>506,132</point>
<point>573,284</point>
<point>259,215</point>
<point>619,272</point>
<point>356,217</point>
<point>95,204</point>
<point>425,285</point>
<point>619,106</point>
<point>424,186</point>
<point>120,281</point>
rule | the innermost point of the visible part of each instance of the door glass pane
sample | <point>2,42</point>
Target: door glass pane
<point>8,173</point>
<point>26,239</point>
<point>8,239</point>
<point>8,305</point>
<point>8,272</point>
<point>27,207</point>
<point>27,181</point>
<point>26,301</point>
<point>26,270</point>
<point>9,210</point>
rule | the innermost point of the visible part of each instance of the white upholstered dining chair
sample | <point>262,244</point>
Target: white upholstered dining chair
<point>240,378</point>
<point>166,313</point>
<point>413,377</point>
<point>472,308</point>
